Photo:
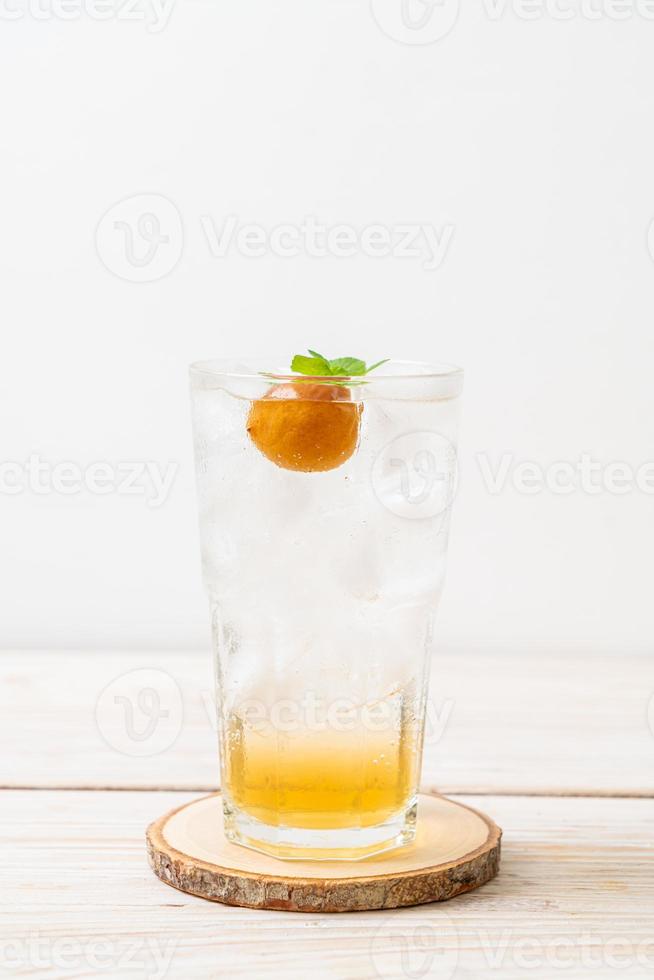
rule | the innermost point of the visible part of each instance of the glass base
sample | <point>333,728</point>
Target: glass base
<point>300,844</point>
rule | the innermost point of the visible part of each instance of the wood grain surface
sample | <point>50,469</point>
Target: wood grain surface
<point>559,750</point>
<point>496,724</point>
<point>576,886</point>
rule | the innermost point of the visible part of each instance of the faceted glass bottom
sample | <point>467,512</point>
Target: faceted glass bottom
<point>301,844</point>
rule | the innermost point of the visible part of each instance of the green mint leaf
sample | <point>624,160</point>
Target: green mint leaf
<point>348,366</point>
<point>316,366</point>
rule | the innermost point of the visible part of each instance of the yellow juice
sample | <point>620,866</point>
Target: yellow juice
<point>320,779</point>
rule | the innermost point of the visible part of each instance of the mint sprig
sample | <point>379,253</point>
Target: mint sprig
<point>318,366</point>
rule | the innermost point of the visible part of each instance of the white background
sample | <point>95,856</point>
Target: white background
<point>533,139</point>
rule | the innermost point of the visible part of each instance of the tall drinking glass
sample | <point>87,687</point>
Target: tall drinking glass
<point>324,512</point>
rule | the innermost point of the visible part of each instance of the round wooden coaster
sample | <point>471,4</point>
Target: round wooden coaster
<point>456,849</point>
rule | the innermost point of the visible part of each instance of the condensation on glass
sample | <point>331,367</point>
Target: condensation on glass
<point>323,588</point>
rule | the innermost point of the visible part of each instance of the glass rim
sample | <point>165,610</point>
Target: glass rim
<point>218,368</point>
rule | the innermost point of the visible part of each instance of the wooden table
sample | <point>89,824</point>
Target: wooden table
<point>558,750</point>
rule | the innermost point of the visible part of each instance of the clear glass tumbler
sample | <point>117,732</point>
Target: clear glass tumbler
<point>324,511</point>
